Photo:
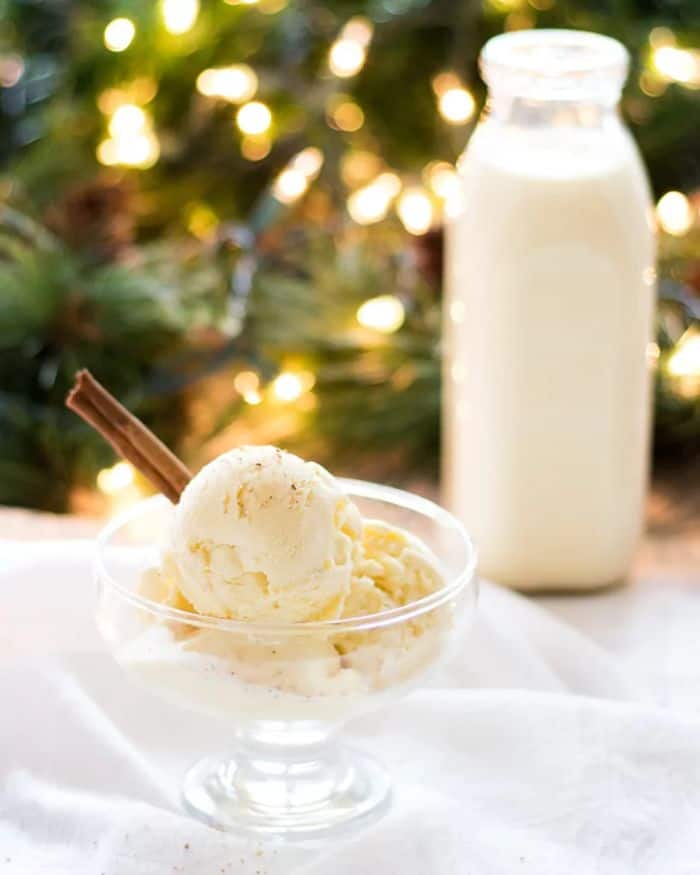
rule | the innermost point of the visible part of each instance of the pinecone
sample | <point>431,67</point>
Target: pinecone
<point>95,217</point>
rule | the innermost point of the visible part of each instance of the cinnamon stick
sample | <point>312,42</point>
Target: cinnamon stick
<point>128,435</point>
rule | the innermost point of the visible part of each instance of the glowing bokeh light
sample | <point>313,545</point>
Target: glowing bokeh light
<point>384,313</point>
<point>119,34</point>
<point>415,211</point>
<point>456,106</point>
<point>253,118</point>
<point>236,83</point>
<point>179,16</point>
<point>675,213</point>
<point>346,58</point>
<point>115,479</point>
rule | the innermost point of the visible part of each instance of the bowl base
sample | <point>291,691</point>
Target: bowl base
<point>221,792</point>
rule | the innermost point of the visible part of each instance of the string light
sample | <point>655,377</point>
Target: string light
<point>344,114</point>
<point>289,186</point>
<point>115,479</point>
<point>255,148</point>
<point>442,178</point>
<point>246,381</point>
<point>384,313</point>
<point>359,30</point>
<point>678,65</point>
<point>445,81</point>
<point>456,105</point>
<point>236,83</point>
<point>346,58</point>
<point>309,162</point>
<point>348,53</point>
<point>294,180</point>
<point>252,397</point>
<point>415,211</point>
<point>179,15</point>
<point>675,213</point>
<point>253,118</point>
<point>132,141</point>
<point>358,167</point>
<point>287,387</point>
<point>127,119</point>
<point>684,364</point>
<point>661,36</point>
<point>685,360</point>
<point>202,221</point>
<point>119,34</point>
<point>370,204</point>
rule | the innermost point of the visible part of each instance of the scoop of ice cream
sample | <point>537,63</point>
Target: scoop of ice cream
<point>261,535</point>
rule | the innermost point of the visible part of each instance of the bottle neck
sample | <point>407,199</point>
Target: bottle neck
<point>528,112</point>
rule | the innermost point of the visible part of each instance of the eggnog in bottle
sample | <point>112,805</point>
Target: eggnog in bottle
<point>550,293</point>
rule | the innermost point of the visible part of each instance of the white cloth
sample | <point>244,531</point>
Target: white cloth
<point>563,740</point>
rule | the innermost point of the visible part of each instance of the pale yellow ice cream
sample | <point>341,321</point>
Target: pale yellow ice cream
<point>262,536</point>
<point>259,534</point>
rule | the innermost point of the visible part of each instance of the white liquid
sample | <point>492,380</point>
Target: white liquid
<point>548,315</point>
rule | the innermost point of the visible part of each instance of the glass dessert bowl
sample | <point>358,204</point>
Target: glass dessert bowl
<point>285,688</point>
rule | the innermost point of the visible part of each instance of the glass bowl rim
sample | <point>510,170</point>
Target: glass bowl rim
<point>355,488</point>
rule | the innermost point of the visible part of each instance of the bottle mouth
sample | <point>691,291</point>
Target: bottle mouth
<point>555,64</point>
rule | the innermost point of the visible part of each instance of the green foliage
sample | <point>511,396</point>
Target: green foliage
<point>58,313</point>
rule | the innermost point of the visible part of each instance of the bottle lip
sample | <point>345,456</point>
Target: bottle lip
<point>555,63</point>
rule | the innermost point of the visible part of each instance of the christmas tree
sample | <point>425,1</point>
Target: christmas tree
<point>230,211</point>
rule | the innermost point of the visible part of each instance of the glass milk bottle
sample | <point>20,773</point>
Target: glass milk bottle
<point>550,294</point>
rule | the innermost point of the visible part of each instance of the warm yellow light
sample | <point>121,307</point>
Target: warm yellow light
<point>110,100</point>
<point>236,83</point>
<point>445,81</point>
<point>308,162</point>
<point>685,361</point>
<point>415,211</point>
<point>115,479</point>
<point>143,89</point>
<point>678,65</point>
<point>246,381</point>
<point>675,213</point>
<point>456,105</point>
<point>140,151</point>
<point>287,387</point>
<point>359,30</point>
<point>346,116</point>
<point>384,314</point>
<point>652,84</point>
<point>442,178</point>
<point>127,119</point>
<point>369,204</point>
<point>661,36</point>
<point>107,153</point>
<point>252,397</point>
<point>179,15</point>
<point>119,34</point>
<point>202,221</point>
<point>253,118</point>
<point>256,148</point>
<point>346,58</point>
<point>289,186</point>
<point>389,183</point>
<point>358,167</point>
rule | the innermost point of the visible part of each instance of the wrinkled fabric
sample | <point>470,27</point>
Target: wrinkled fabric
<point>564,738</point>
